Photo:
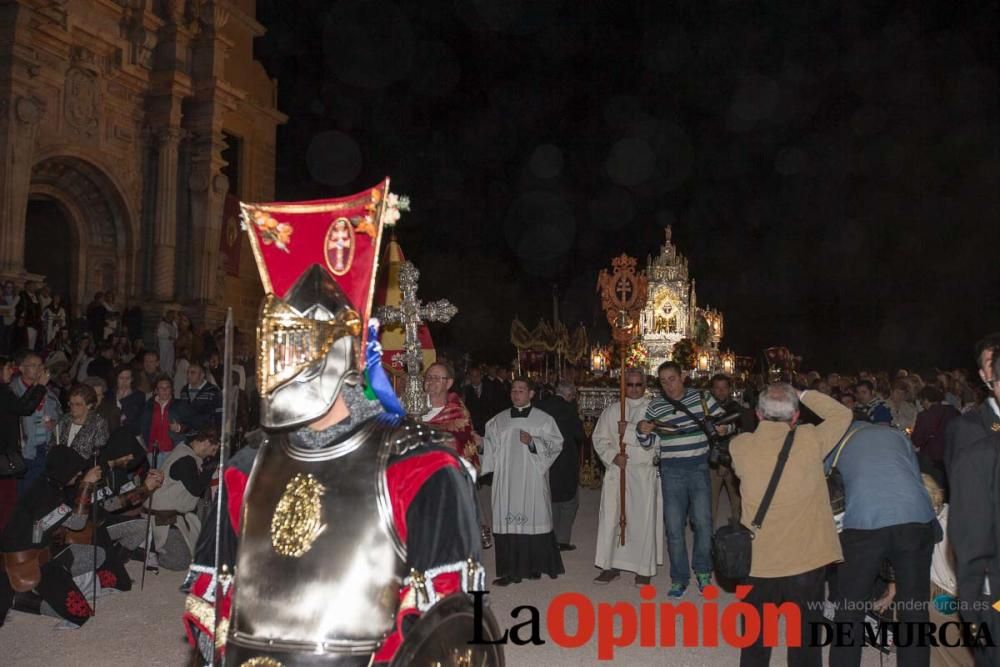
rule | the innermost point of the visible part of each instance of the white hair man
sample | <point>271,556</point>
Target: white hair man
<point>643,548</point>
<point>796,539</point>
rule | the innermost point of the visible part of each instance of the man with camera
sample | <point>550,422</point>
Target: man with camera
<point>720,462</point>
<point>796,539</point>
<point>679,419</point>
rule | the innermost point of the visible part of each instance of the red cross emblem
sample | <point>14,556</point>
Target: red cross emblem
<point>339,246</point>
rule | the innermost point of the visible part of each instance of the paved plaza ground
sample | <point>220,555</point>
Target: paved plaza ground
<point>143,628</point>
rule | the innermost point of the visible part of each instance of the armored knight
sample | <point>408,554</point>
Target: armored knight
<point>358,535</point>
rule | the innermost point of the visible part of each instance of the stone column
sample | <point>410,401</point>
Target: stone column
<point>165,216</point>
<point>208,186</point>
<point>19,116</point>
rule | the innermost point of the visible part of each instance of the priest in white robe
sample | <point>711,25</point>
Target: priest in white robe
<point>521,444</point>
<point>643,549</point>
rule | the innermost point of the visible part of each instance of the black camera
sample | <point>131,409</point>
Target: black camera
<point>718,453</point>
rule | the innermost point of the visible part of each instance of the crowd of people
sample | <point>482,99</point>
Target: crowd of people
<point>109,449</point>
<point>88,412</point>
<point>890,554</point>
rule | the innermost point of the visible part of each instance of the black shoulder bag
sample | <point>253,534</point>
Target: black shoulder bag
<point>732,544</point>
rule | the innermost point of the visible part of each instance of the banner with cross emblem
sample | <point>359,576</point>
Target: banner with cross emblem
<point>341,235</point>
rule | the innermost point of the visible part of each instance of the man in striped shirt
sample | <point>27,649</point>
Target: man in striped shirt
<point>684,476</point>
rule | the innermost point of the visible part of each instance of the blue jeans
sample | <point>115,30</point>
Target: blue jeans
<point>33,469</point>
<point>687,492</point>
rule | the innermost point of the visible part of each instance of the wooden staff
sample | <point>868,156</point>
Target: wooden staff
<point>623,296</point>
<point>622,425</point>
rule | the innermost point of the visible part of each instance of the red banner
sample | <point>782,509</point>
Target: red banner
<point>231,240</point>
<point>341,235</point>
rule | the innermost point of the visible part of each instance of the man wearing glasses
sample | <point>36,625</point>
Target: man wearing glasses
<point>643,549</point>
<point>447,412</point>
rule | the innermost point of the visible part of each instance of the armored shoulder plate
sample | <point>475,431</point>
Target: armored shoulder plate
<point>412,435</point>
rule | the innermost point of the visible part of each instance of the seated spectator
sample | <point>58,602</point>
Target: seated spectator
<point>103,365</point>
<point>150,372</point>
<point>183,355</point>
<point>55,512</point>
<point>930,428</point>
<point>81,361</point>
<point>904,412</point>
<point>203,399</point>
<point>187,476</point>
<point>876,409</point>
<point>82,429</point>
<point>26,548</point>
<point>123,463</point>
<point>129,401</point>
<point>164,421</point>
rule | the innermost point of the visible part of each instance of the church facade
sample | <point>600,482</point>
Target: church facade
<point>124,127</point>
<point>672,311</point>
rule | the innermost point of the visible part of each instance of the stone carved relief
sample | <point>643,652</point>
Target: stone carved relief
<point>28,110</point>
<point>141,41</point>
<point>82,96</point>
<point>220,184</point>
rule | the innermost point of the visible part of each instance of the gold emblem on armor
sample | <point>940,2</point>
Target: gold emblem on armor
<point>298,518</point>
<point>261,662</point>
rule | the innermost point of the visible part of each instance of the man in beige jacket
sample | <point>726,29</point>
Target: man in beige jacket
<point>797,539</point>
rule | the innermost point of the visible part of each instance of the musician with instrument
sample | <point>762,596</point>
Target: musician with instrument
<point>49,540</point>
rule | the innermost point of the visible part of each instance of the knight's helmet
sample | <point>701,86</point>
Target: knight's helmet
<point>317,262</point>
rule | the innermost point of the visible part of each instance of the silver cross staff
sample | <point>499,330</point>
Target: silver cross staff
<point>410,313</point>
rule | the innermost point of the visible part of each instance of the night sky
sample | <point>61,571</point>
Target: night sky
<point>831,169</point>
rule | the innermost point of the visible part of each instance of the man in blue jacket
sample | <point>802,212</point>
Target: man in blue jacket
<point>888,516</point>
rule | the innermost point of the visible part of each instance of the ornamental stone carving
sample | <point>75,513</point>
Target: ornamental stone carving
<point>82,96</point>
<point>220,184</point>
<point>28,110</point>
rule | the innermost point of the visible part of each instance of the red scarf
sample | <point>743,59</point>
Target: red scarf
<point>454,418</point>
<point>159,429</point>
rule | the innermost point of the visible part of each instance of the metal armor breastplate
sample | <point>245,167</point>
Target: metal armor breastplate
<point>320,564</point>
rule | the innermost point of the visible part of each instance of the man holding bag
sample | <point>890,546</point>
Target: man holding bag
<point>797,538</point>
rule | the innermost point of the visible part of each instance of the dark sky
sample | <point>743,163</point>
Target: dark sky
<point>830,169</point>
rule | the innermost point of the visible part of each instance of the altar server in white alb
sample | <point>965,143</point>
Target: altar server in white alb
<point>520,445</point>
<point>643,549</point>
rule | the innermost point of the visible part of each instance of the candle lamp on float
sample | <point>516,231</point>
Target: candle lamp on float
<point>728,363</point>
<point>703,363</point>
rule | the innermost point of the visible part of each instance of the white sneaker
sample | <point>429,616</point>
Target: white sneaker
<point>67,625</point>
<point>152,562</point>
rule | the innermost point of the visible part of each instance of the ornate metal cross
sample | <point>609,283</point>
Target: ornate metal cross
<point>410,314</point>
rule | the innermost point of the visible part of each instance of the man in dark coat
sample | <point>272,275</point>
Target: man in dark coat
<point>564,473</point>
<point>12,408</point>
<point>973,462</point>
<point>480,399</point>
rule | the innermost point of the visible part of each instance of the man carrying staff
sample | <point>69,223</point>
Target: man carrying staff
<point>643,548</point>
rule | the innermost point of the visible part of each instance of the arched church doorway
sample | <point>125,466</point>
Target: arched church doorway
<point>77,231</point>
<point>50,245</point>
